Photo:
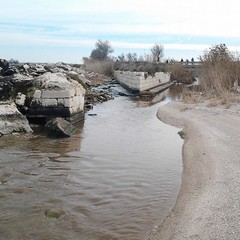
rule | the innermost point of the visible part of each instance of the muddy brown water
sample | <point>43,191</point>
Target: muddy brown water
<point>116,178</point>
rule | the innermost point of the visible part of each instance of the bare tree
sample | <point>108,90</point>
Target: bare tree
<point>131,57</point>
<point>102,50</point>
<point>217,53</point>
<point>122,58</point>
<point>157,52</point>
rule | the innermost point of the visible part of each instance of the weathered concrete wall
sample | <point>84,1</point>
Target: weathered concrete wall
<point>141,81</point>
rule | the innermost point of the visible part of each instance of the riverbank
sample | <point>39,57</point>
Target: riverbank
<point>208,204</point>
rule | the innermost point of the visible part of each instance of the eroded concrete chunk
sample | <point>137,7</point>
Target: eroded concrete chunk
<point>57,96</point>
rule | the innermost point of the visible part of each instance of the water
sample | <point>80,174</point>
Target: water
<point>116,178</point>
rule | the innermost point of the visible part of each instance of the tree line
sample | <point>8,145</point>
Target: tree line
<point>103,49</point>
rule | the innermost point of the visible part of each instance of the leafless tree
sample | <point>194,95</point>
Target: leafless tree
<point>157,52</point>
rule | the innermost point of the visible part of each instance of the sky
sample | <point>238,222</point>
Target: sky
<point>67,30</point>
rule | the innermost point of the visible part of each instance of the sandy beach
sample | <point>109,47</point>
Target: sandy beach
<point>208,204</point>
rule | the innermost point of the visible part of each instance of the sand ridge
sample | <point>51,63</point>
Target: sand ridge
<point>208,204</point>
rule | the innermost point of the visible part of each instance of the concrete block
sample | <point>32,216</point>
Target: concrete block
<point>76,101</point>
<point>79,91</point>
<point>74,110</point>
<point>68,102</point>
<point>49,102</point>
<point>47,94</point>
<point>60,101</point>
<point>72,92</point>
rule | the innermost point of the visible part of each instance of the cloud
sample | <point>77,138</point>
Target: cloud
<point>128,24</point>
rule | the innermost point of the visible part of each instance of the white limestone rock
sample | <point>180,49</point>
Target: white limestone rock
<point>11,120</point>
<point>20,99</point>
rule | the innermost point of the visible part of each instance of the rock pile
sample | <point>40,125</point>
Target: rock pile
<point>49,90</point>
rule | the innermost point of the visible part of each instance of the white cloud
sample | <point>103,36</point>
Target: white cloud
<point>192,17</point>
<point>79,23</point>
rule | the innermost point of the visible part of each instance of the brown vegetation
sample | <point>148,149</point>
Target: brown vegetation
<point>140,66</point>
<point>219,70</point>
<point>102,67</point>
<point>179,73</point>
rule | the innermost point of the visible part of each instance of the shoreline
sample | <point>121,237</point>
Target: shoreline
<point>208,205</point>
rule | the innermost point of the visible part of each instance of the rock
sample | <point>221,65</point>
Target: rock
<point>4,64</point>
<point>54,81</point>
<point>20,102</point>
<point>57,96</point>
<point>11,120</point>
<point>9,72</point>
<point>5,88</point>
<point>20,99</point>
<point>65,67</point>
<point>40,69</point>
<point>26,67</point>
<point>54,213</point>
<point>88,106</point>
<point>58,128</point>
<point>22,78</point>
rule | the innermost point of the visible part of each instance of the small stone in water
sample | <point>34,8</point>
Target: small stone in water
<point>54,213</point>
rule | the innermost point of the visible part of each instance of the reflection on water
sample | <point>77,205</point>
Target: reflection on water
<point>171,94</point>
<point>175,92</point>
<point>115,179</point>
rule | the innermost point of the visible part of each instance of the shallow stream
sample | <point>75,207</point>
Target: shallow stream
<point>116,178</point>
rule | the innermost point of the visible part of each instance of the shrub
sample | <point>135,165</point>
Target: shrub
<point>102,67</point>
<point>140,66</point>
<point>220,69</point>
<point>179,73</point>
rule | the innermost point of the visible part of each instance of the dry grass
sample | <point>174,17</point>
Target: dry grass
<point>140,66</point>
<point>191,96</point>
<point>102,67</point>
<point>226,100</point>
<point>218,78</point>
<point>180,74</point>
<point>219,70</point>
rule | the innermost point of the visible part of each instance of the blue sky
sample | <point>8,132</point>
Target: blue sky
<point>66,30</point>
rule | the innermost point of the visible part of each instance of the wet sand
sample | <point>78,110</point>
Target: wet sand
<point>208,204</point>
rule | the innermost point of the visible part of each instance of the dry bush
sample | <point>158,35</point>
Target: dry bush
<point>191,96</point>
<point>218,78</point>
<point>226,100</point>
<point>180,74</point>
<point>220,69</point>
<point>102,67</point>
<point>140,66</point>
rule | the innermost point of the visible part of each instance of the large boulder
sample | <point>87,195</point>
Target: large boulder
<point>58,128</point>
<point>11,120</point>
<point>57,96</point>
<point>4,64</point>
<point>6,87</point>
<point>9,72</point>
